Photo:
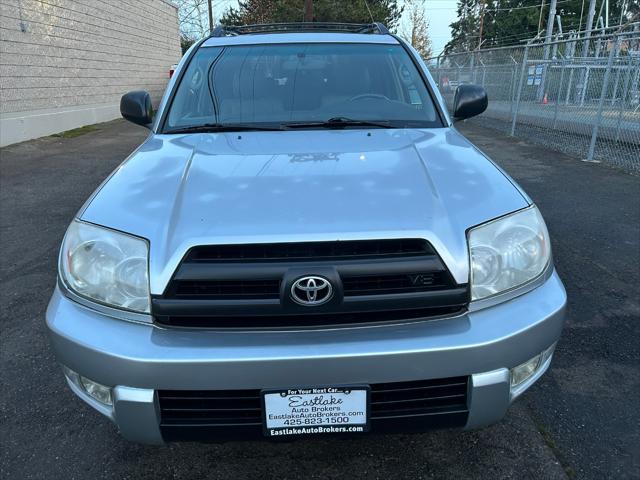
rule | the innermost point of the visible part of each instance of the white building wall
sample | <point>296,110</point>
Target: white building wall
<point>66,63</point>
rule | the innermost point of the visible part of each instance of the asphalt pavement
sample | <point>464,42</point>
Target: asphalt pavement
<point>580,421</point>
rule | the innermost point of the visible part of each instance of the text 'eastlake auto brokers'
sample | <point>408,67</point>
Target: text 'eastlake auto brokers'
<point>315,410</point>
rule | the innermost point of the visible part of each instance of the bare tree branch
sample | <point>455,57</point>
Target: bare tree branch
<point>418,28</point>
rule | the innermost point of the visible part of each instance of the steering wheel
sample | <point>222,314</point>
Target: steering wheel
<point>368,95</point>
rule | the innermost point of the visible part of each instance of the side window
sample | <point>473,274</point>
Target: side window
<point>192,103</point>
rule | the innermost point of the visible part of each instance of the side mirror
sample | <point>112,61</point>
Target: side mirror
<point>469,101</point>
<point>136,107</point>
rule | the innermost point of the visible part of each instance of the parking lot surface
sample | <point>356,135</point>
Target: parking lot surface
<point>580,421</point>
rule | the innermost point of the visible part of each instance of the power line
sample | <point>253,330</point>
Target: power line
<point>520,8</point>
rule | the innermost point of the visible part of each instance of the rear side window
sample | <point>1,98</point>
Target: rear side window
<point>302,83</point>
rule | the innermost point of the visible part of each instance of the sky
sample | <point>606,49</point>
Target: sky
<point>439,12</point>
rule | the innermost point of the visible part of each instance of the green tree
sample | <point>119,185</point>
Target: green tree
<point>464,31</point>
<point>510,22</point>
<point>276,11</point>
<point>186,42</point>
<point>250,12</point>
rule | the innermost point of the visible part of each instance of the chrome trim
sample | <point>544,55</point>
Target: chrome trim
<point>311,289</point>
<point>484,379</point>
<point>137,414</point>
<point>488,398</point>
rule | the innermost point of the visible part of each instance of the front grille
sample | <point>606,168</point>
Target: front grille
<point>398,406</point>
<point>227,289</point>
<point>215,407</point>
<point>308,319</point>
<point>424,397</point>
<point>360,285</point>
<point>314,251</point>
<point>248,286</point>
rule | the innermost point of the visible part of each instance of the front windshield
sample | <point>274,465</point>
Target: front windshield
<point>288,84</point>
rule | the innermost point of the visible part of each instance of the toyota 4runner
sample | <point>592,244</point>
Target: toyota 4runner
<point>304,244</point>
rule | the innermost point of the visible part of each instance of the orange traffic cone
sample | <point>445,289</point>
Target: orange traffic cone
<point>545,100</point>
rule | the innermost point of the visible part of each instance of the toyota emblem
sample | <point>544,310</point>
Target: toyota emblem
<point>311,291</point>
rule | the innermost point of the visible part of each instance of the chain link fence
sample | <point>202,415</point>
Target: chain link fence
<point>579,93</point>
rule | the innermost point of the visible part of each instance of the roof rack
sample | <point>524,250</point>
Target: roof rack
<point>370,28</point>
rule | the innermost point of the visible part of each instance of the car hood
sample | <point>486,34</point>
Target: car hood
<point>179,191</point>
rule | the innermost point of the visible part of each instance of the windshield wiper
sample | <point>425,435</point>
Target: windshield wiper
<point>223,127</point>
<point>339,122</point>
<point>335,122</point>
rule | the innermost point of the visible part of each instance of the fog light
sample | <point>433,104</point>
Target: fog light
<point>97,391</point>
<point>523,372</point>
<point>94,389</point>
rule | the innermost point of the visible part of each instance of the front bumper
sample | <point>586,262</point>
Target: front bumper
<point>138,359</point>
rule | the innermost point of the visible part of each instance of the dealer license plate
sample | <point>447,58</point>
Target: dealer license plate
<point>303,411</point>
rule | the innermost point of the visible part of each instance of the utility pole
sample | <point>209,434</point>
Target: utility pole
<point>624,4</point>
<point>550,22</point>
<point>481,23</point>
<point>210,15</point>
<point>588,27</point>
<point>540,17</point>
<point>547,44</point>
<point>308,10</point>
<point>585,49</point>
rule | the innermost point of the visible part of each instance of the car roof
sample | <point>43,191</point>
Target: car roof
<point>300,37</point>
<point>305,32</point>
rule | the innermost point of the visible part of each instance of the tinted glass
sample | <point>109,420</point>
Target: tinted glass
<point>279,84</point>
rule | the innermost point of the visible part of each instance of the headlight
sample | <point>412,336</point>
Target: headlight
<point>106,266</point>
<point>508,252</point>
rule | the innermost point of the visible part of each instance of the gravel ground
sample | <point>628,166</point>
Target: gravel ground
<point>579,421</point>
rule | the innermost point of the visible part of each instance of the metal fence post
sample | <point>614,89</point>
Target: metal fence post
<point>523,71</point>
<point>472,67</point>
<point>512,86</point>
<point>559,94</point>
<point>569,54</point>
<point>624,97</point>
<point>605,85</point>
<point>615,87</point>
<point>484,73</point>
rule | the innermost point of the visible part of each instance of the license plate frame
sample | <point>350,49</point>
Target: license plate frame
<point>319,421</point>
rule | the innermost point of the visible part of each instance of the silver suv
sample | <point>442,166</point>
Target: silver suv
<point>304,244</point>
